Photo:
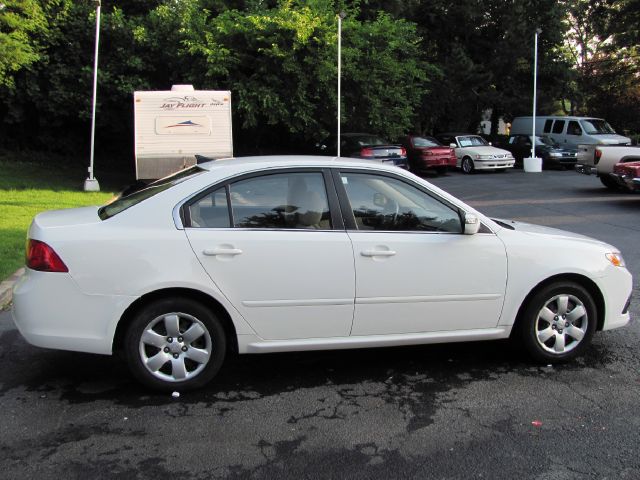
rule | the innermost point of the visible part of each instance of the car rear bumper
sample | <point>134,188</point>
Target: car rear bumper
<point>436,162</point>
<point>83,323</point>
<point>586,169</point>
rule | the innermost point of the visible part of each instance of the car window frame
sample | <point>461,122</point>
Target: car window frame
<point>347,209</point>
<point>337,221</point>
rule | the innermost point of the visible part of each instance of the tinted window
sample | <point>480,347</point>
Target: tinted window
<point>558,127</point>
<point>547,126</point>
<point>574,128</point>
<point>287,200</point>
<point>122,203</point>
<point>211,211</point>
<point>383,203</point>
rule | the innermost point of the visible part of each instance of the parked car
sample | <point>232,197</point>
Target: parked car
<point>566,130</point>
<point>278,254</point>
<point>367,146</point>
<point>474,153</point>
<point>552,154</point>
<point>427,154</point>
<point>600,160</point>
<point>627,175</point>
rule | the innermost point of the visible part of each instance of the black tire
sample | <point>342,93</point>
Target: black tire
<point>532,328</point>
<point>467,165</point>
<point>189,354</point>
<point>610,183</point>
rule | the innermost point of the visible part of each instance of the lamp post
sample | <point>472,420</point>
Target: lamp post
<point>91,184</point>
<point>535,91</point>
<point>341,15</point>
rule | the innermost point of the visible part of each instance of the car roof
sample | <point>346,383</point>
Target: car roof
<point>240,164</point>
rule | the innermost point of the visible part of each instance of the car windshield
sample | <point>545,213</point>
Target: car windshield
<point>426,142</point>
<point>122,203</point>
<point>593,126</point>
<point>471,141</point>
<point>544,140</point>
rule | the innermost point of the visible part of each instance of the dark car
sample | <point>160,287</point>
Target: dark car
<point>552,153</point>
<point>367,146</point>
<point>426,153</point>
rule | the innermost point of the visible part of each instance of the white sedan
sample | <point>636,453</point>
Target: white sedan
<point>474,153</point>
<point>278,254</point>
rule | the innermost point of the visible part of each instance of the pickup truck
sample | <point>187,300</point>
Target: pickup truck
<point>599,160</point>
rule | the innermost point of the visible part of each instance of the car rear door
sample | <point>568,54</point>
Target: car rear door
<point>415,271</point>
<point>275,245</point>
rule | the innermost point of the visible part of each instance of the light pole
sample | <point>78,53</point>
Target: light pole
<point>91,184</point>
<point>341,15</point>
<point>535,90</point>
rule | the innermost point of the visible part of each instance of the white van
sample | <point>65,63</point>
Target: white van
<point>570,130</point>
<point>171,127</point>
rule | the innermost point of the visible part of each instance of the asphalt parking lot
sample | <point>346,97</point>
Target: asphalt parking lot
<point>447,411</point>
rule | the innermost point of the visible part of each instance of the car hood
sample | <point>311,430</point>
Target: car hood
<point>531,229</point>
<point>612,139</point>
<point>486,150</point>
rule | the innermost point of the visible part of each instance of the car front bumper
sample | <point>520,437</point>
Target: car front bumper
<point>616,287</point>
<point>493,164</point>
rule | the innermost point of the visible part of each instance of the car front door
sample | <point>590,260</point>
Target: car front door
<point>415,270</point>
<point>277,250</point>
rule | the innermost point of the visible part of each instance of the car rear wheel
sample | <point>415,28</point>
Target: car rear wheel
<point>175,344</point>
<point>467,165</point>
<point>558,322</point>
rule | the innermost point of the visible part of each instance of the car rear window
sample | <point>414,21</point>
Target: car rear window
<point>127,201</point>
<point>425,142</point>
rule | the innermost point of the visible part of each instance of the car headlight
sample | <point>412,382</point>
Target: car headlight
<point>616,259</point>
<point>484,157</point>
<point>555,154</point>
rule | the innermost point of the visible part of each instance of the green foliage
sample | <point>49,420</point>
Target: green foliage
<point>22,24</point>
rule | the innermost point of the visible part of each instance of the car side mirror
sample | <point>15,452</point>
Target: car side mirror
<point>453,145</point>
<point>471,224</point>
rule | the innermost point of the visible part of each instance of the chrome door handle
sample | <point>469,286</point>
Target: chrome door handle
<point>378,253</point>
<point>222,251</point>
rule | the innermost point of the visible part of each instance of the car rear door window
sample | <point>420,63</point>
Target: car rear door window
<point>211,211</point>
<point>383,203</point>
<point>284,201</point>
<point>558,127</point>
<point>547,126</point>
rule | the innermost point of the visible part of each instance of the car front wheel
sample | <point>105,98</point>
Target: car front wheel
<point>558,322</point>
<point>175,344</point>
<point>467,165</point>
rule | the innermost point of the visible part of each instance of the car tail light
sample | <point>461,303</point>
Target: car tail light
<point>366,152</point>
<point>403,152</point>
<point>43,258</point>
<point>597,156</point>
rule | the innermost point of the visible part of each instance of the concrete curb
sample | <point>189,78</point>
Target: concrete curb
<point>6,288</point>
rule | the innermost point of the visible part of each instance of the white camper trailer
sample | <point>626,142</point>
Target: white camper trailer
<point>171,127</point>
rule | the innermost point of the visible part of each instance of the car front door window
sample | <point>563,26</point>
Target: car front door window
<point>387,204</point>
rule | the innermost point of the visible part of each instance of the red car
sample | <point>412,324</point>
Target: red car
<point>628,174</point>
<point>426,153</point>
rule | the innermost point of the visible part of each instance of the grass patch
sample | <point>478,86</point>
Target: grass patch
<point>28,188</point>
